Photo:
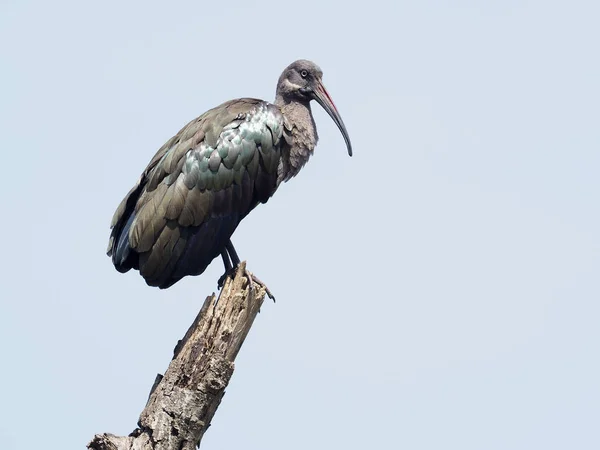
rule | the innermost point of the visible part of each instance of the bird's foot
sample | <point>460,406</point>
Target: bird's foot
<point>252,280</point>
<point>228,274</point>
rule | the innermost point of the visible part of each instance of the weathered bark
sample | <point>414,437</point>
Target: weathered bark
<point>183,402</point>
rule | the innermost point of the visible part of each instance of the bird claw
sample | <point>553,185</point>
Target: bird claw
<point>228,274</point>
<point>252,280</point>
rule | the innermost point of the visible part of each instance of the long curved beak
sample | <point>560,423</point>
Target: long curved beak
<point>322,97</point>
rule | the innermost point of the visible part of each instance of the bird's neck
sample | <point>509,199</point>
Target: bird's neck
<point>300,137</point>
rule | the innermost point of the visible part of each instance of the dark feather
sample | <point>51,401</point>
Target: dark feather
<point>196,189</point>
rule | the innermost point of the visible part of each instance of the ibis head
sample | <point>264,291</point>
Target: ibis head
<point>302,81</point>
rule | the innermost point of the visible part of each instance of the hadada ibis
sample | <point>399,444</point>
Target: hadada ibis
<point>198,187</point>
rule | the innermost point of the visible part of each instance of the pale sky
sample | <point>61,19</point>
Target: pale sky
<point>439,290</point>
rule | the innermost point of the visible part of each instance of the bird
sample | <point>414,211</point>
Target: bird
<point>185,206</point>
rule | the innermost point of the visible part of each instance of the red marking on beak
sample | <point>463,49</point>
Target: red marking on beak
<point>322,88</point>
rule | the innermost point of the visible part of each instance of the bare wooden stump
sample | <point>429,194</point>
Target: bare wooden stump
<point>183,402</point>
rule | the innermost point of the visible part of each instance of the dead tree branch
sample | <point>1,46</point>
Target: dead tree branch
<point>183,402</point>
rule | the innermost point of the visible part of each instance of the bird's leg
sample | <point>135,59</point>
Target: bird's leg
<point>228,269</point>
<point>235,259</point>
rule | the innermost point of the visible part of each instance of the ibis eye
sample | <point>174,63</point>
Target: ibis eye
<point>304,73</point>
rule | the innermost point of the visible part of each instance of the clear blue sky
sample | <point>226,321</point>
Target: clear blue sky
<point>439,290</point>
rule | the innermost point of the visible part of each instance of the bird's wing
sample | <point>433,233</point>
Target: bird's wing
<point>220,164</point>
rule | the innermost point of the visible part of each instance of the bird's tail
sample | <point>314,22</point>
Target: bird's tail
<point>123,257</point>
